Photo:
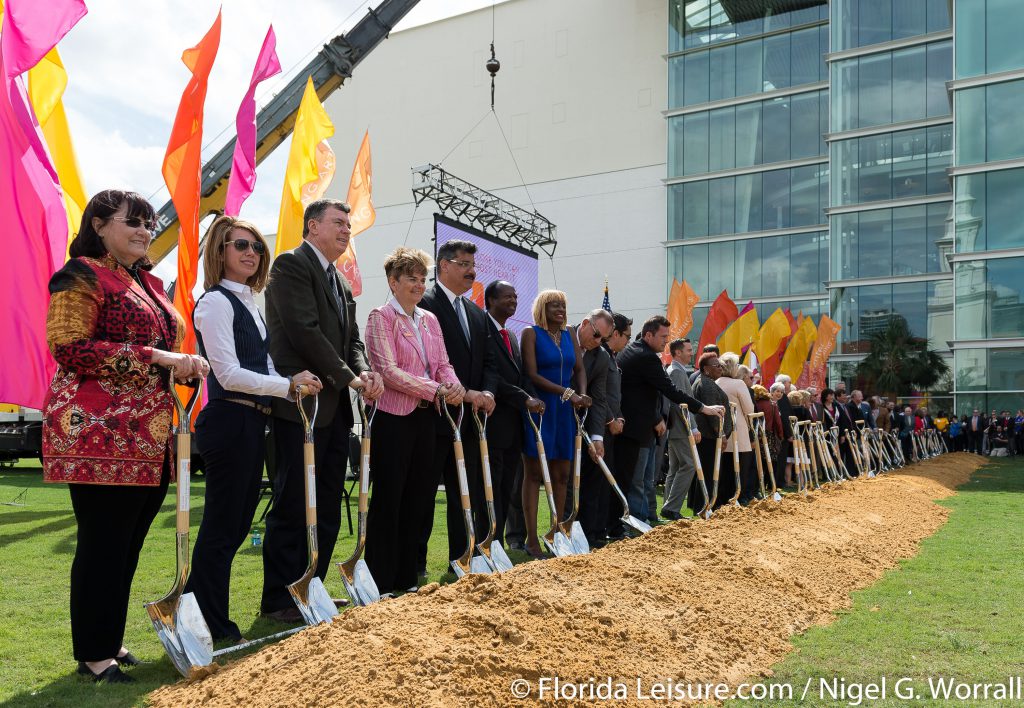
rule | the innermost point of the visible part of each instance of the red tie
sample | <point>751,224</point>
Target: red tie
<point>508,342</point>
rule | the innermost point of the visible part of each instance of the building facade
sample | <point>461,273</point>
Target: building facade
<point>814,150</point>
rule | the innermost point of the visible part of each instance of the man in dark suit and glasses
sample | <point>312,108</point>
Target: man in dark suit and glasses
<point>467,337</point>
<point>514,397</point>
<point>592,332</point>
<point>643,381</point>
<point>311,324</point>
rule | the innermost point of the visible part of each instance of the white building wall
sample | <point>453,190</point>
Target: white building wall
<point>579,97</point>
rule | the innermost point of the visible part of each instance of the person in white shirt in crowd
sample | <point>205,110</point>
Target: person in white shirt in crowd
<point>230,430</point>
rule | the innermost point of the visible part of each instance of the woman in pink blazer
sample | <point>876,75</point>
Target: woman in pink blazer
<point>406,347</point>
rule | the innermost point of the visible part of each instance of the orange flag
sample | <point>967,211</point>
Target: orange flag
<point>681,301</point>
<point>182,172</point>
<point>818,367</point>
<point>360,198</point>
<point>722,313</point>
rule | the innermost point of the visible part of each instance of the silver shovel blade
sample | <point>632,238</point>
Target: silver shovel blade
<point>479,564</point>
<point>185,636</point>
<point>499,559</point>
<point>578,539</point>
<point>363,589</point>
<point>641,526</point>
<point>319,607</point>
<point>561,546</point>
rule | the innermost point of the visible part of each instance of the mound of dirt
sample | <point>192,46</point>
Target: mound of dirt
<point>694,601</point>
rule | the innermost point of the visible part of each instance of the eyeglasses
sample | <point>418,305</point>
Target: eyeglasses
<point>134,222</point>
<point>243,244</point>
<point>461,264</point>
<point>597,334</point>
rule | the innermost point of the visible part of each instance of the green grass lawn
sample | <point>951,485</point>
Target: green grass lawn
<point>953,610</point>
<point>956,610</point>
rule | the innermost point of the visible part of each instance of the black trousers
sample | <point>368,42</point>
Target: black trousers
<point>506,463</point>
<point>751,486</point>
<point>400,484</point>
<point>443,470</point>
<point>626,453</point>
<point>113,521</point>
<point>232,440</point>
<point>598,503</point>
<point>284,548</point>
<point>515,523</point>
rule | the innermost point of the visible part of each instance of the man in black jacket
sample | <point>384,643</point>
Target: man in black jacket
<point>591,333</point>
<point>467,337</point>
<point>643,382</point>
<point>311,324</point>
<point>514,398</point>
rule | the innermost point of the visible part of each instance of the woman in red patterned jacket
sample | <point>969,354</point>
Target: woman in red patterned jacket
<point>405,344</point>
<point>107,422</point>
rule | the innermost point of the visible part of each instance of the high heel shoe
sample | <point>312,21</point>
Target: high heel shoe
<point>111,674</point>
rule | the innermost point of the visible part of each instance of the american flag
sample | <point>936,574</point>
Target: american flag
<point>606,303</point>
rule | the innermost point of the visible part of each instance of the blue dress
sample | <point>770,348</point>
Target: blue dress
<point>558,431</point>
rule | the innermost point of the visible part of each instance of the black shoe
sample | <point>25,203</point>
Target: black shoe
<point>111,674</point>
<point>289,615</point>
<point>128,659</point>
<point>670,515</point>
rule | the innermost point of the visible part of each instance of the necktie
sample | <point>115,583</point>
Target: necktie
<point>460,310</point>
<point>508,342</point>
<point>332,276</point>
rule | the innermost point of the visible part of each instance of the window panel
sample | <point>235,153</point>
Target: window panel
<point>720,267</point>
<point>988,298</point>
<point>748,268</point>
<point>1003,103</point>
<point>805,66</point>
<point>1003,47</point>
<point>908,240</point>
<point>805,129</point>
<point>695,143</point>
<point>1004,194</point>
<point>775,198</point>
<point>748,135</point>
<point>775,265</point>
<point>695,23</point>
<point>805,209</point>
<point>804,274</point>
<point>909,163</point>
<point>723,72</point>
<point>749,68</point>
<point>970,38</point>
<point>721,206</point>
<point>696,88</point>
<point>776,62</point>
<point>748,203</point>
<point>908,91</point>
<point>695,209</point>
<point>939,71</point>
<point>722,142</point>
<point>970,126</point>
<point>775,130</point>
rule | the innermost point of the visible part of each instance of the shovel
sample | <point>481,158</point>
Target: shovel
<point>355,574</point>
<point>735,457</point>
<point>798,454</point>
<point>555,539</point>
<point>696,460</point>
<point>627,519</point>
<point>308,592</point>
<point>467,562</point>
<point>833,436</point>
<point>868,463</point>
<point>718,467</point>
<point>752,421</point>
<point>492,552</point>
<point>176,617</point>
<point>571,527</point>
<point>771,465</point>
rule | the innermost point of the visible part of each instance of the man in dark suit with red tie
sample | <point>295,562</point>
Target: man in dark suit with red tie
<point>514,398</point>
<point>467,336</point>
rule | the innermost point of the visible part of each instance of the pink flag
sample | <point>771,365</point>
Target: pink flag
<point>32,216</point>
<point>243,164</point>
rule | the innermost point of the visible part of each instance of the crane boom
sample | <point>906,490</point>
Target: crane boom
<point>329,69</point>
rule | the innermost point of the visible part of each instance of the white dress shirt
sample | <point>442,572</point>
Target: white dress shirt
<point>214,318</point>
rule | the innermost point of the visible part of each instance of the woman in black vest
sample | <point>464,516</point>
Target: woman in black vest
<point>230,429</point>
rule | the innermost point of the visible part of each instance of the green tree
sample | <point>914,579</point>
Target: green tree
<point>899,361</point>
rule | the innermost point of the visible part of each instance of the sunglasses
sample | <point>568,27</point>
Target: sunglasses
<point>243,244</point>
<point>597,334</point>
<point>134,222</point>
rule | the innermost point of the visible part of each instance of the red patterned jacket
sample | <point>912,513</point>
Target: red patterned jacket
<point>107,418</point>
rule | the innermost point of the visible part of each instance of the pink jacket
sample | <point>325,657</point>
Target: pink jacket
<point>395,354</point>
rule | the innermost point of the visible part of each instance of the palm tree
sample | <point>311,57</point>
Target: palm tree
<point>898,361</point>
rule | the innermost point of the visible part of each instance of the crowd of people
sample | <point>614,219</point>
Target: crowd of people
<point>116,338</point>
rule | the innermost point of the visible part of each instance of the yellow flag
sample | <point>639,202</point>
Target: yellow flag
<point>46,83</point>
<point>741,333</point>
<point>796,353</point>
<point>310,168</point>
<point>773,333</point>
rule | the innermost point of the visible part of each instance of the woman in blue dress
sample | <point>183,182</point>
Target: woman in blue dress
<point>553,360</point>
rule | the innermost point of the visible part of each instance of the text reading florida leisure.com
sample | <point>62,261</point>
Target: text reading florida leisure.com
<point>853,693</point>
